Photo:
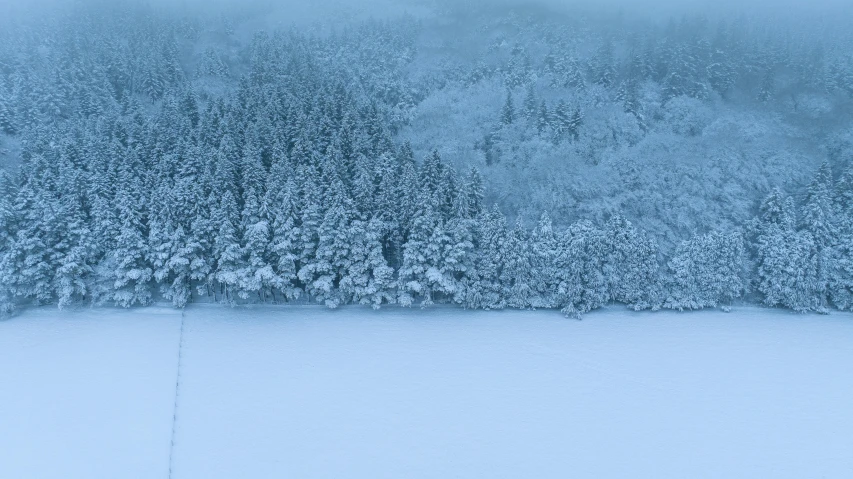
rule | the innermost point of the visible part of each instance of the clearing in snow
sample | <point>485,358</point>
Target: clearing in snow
<point>305,392</point>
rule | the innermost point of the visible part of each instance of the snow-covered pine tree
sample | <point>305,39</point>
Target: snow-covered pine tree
<point>365,183</point>
<point>406,201</point>
<point>581,282</point>
<point>517,272</point>
<point>311,215</point>
<point>7,120</point>
<point>819,219</point>
<point>75,249</point>
<point>458,260</point>
<point>445,261</point>
<point>200,244</point>
<point>449,191</point>
<point>787,260</point>
<point>543,118</point>
<point>226,249</point>
<point>257,276</point>
<point>125,271</point>
<point>706,271</point>
<point>508,110</point>
<point>484,289</point>
<point>476,192</point>
<point>841,279</point>
<point>323,272</point>
<point>32,256</point>
<point>283,248</point>
<point>818,215</point>
<point>101,192</point>
<point>602,65</point>
<point>575,123</point>
<point>8,224</point>
<point>561,121</point>
<point>432,177</point>
<point>721,74</point>
<point>414,274</point>
<point>367,278</point>
<point>170,253</point>
<point>530,104</point>
<point>201,227</point>
<point>630,264</point>
<point>574,75</point>
<point>545,248</point>
<point>789,270</point>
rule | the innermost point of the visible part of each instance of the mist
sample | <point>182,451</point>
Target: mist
<point>352,238</point>
<point>317,10</point>
<point>206,151</point>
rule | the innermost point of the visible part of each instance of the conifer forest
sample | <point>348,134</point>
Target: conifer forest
<point>520,156</point>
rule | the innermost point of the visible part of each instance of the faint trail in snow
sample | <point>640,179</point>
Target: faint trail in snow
<point>177,392</point>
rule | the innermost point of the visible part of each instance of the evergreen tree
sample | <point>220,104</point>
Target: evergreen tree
<point>485,288</point>
<point>508,110</point>
<point>257,277</point>
<point>818,212</point>
<point>841,279</point>
<point>707,271</point>
<point>285,234</point>
<point>516,272</point>
<point>7,120</point>
<point>574,76</point>
<point>323,272</point>
<point>169,251</point>
<point>581,279</point>
<point>414,271</point>
<point>788,269</point>
<point>543,118</point>
<point>819,219</point>
<point>721,74</point>
<point>545,249</point>
<point>32,256</point>
<point>575,123</point>
<point>311,215</point>
<point>561,120</point>
<point>602,65</point>
<point>226,249</point>
<point>530,103</point>
<point>630,264</point>
<point>366,277</point>
<point>8,224</point>
<point>458,259</point>
<point>74,270</point>
<point>127,272</point>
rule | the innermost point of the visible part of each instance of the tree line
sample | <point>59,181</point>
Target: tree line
<point>252,200</point>
<point>292,184</point>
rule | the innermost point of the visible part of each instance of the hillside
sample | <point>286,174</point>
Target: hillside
<point>489,155</point>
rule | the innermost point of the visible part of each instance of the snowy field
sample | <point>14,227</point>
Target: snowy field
<point>306,392</point>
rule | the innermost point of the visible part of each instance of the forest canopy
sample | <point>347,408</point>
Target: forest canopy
<point>485,154</point>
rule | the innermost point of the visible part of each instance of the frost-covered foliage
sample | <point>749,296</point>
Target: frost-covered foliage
<point>682,125</point>
<point>707,271</point>
<point>173,159</point>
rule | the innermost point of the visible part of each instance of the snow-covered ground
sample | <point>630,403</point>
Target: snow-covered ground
<point>304,392</point>
<point>87,395</point>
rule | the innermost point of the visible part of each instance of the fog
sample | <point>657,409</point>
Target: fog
<point>317,9</point>
<point>478,154</point>
<point>489,154</point>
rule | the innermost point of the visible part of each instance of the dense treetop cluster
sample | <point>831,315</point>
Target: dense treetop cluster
<point>155,157</point>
